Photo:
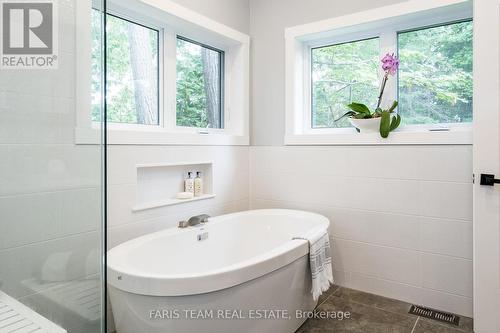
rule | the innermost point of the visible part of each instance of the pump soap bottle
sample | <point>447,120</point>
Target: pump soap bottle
<point>189,183</point>
<point>198,185</point>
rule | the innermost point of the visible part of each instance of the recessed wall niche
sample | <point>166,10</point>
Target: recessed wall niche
<point>158,184</point>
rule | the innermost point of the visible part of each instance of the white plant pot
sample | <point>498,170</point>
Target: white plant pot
<point>371,125</point>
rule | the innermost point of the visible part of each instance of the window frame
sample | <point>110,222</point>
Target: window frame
<point>171,20</point>
<point>384,23</point>
<point>152,25</point>
<point>221,83</point>
<point>396,78</point>
<point>310,48</point>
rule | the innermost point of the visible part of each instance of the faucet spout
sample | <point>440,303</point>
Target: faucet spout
<point>195,220</point>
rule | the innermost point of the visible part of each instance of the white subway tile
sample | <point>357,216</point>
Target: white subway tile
<point>29,218</point>
<point>449,237</point>
<point>48,168</point>
<point>341,278</point>
<point>354,257</point>
<point>81,211</point>
<point>444,163</point>
<point>390,162</point>
<point>387,288</point>
<point>448,302</point>
<point>447,274</point>
<point>392,230</point>
<point>398,265</point>
<point>378,261</point>
<point>384,162</point>
<point>395,196</point>
<point>446,200</point>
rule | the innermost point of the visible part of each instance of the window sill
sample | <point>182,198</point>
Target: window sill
<point>455,136</point>
<point>90,136</point>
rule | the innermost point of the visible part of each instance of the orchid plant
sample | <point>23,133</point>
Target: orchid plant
<point>390,65</point>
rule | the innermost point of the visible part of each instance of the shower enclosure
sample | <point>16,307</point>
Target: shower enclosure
<point>52,183</point>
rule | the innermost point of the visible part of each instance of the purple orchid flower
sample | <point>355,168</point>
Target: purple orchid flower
<point>390,64</point>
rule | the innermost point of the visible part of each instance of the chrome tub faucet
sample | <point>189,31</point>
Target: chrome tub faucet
<point>194,220</point>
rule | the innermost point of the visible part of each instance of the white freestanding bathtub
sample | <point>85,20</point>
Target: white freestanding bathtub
<point>246,274</point>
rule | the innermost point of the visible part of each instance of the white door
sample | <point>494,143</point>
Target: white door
<point>486,161</point>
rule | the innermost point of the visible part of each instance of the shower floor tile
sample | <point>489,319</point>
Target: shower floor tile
<point>374,314</point>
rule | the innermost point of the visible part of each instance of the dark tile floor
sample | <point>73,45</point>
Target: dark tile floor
<point>374,314</point>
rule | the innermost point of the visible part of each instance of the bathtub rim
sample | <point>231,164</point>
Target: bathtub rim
<point>214,280</point>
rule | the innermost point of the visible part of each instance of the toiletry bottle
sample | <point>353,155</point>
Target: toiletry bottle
<point>198,185</point>
<point>189,183</point>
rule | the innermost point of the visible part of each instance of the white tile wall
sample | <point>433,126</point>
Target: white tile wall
<point>44,216</point>
<point>230,172</point>
<point>401,217</point>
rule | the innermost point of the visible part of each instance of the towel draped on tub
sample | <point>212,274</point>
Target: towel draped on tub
<point>320,261</point>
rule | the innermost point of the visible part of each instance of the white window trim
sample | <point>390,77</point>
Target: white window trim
<point>384,23</point>
<point>172,20</point>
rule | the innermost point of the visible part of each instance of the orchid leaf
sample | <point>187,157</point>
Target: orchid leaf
<point>395,122</point>
<point>347,114</point>
<point>393,106</point>
<point>359,108</point>
<point>385,124</point>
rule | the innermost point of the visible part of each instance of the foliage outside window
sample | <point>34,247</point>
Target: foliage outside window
<point>341,74</point>
<point>435,78</point>
<point>132,72</point>
<point>199,85</point>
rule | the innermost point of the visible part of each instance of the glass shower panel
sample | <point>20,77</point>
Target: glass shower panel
<point>51,185</point>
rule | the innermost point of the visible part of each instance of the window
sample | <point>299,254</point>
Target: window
<point>333,62</point>
<point>199,85</point>
<point>341,74</point>
<point>434,83</point>
<point>173,76</point>
<point>132,72</point>
<point>435,78</point>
